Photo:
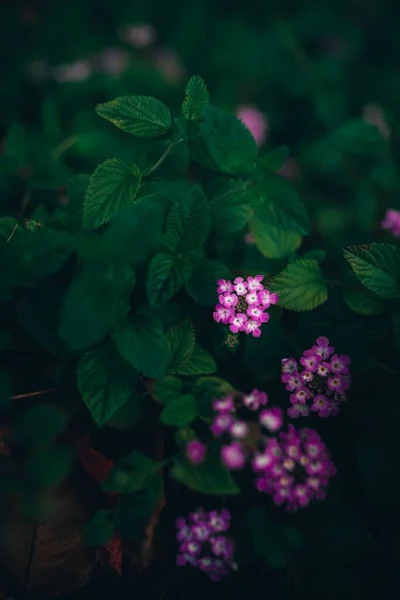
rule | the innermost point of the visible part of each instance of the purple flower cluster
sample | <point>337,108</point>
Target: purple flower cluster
<point>391,221</point>
<point>293,468</point>
<point>320,383</point>
<point>203,543</point>
<point>243,304</point>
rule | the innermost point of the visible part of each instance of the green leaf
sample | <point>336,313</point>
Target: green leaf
<point>105,382</point>
<point>98,297</point>
<point>229,142</point>
<point>112,186</point>
<point>167,274</point>
<point>31,256</point>
<point>130,474</point>
<point>39,314</point>
<point>200,363</point>
<point>205,390</point>
<point>315,254</point>
<point>230,205</point>
<point>181,340</point>
<point>180,411</point>
<point>377,266</point>
<point>100,529</point>
<point>300,286</point>
<point>202,285</point>
<point>270,163</point>
<point>16,143</point>
<point>130,414</point>
<point>40,425</point>
<point>167,389</point>
<point>278,204</point>
<point>196,98</point>
<point>273,242</point>
<point>188,222</point>
<point>142,116</point>
<point>48,466</point>
<point>142,343</point>
<point>362,302</point>
<point>211,477</point>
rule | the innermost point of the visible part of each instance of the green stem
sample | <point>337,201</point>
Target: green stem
<point>162,158</point>
<point>64,146</point>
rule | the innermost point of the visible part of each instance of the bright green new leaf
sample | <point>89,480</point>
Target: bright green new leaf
<point>361,302</point>
<point>188,222</point>
<point>105,382</point>
<point>377,266</point>
<point>300,286</point>
<point>142,116</point>
<point>210,477</point>
<point>112,187</point>
<point>130,474</point>
<point>100,529</point>
<point>180,411</point>
<point>230,205</point>
<point>196,98</point>
<point>228,141</point>
<point>200,363</point>
<point>202,285</point>
<point>40,425</point>
<point>166,276</point>
<point>142,343</point>
<point>181,340</point>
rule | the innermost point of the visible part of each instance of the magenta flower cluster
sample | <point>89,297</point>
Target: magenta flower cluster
<point>203,543</point>
<point>391,222</point>
<point>293,468</point>
<point>243,304</point>
<point>319,383</point>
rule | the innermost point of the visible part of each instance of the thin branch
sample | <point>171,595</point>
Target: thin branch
<point>162,158</point>
<point>64,146</point>
<point>24,205</point>
<point>39,393</point>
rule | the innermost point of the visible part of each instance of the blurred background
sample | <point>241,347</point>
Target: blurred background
<point>318,76</point>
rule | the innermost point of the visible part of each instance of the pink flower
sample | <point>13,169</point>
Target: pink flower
<point>223,314</point>
<point>289,365</point>
<point>237,323</point>
<point>195,452</point>
<point>224,286</point>
<point>252,327</point>
<point>254,283</point>
<point>232,456</point>
<point>271,419</point>
<point>229,300</point>
<point>221,423</point>
<point>391,222</point>
<point>293,381</point>
<point>255,122</point>
<point>239,430</point>
<point>339,364</point>
<point>224,405</point>
<point>240,286</point>
<point>254,400</point>
<point>267,298</point>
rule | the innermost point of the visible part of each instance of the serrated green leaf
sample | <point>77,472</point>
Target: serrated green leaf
<point>142,116</point>
<point>228,141</point>
<point>210,477</point>
<point>181,340</point>
<point>105,382</point>
<point>167,274</point>
<point>167,389</point>
<point>273,242</point>
<point>180,411</point>
<point>197,146</point>
<point>196,98</point>
<point>40,425</point>
<point>200,363</point>
<point>377,266</point>
<point>142,343</point>
<point>270,163</point>
<point>98,297</point>
<point>202,285</point>
<point>130,474</point>
<point>230,205</point>
<point>362,303</point>
<point>315,254</point>
<point>188,222</point>
<point>100,529</point>
<point>112,187</point>
<point>300,286</point>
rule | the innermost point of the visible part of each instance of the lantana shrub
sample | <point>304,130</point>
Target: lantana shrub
<point>166,298</point>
